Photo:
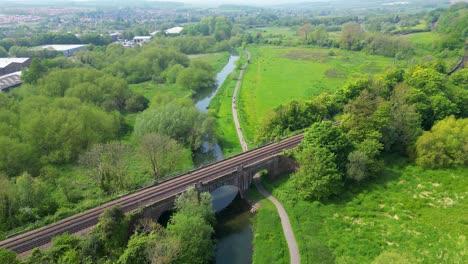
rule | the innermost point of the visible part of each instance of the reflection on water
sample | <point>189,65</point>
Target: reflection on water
<point>209,153</point>
<point>233,230</point>
<point>234,234</point>
<point>204,97</point>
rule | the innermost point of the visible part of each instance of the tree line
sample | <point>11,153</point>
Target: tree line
<point>73,113</point>
<point>420,113</point>
<point>186,239</point>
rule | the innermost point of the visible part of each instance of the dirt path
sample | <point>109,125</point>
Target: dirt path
<point>295,257</point>
<point>234,107</point>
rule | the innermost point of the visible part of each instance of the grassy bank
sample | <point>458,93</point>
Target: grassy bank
<point>269,243</point>
<point>220,108</point>
<point>419,214</point>
<point>280,74</point>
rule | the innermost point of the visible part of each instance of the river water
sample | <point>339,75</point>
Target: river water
<point>233,231</point>
<point>210,152</point>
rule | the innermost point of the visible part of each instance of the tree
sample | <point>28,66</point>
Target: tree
<point>352,36</point>
<point>191,226</point>
<point>161,154</point>
<point>35,71</point>
<point>178,120</point>
<point>16,157</point>
<point>3,52</point>
<point>112,230</point>
<point>363,162</point>
<point>106,164</point>
<point>318,176</point>
<point>163,248</point>
<point>326,135</point>
<point>136,251</point>
<point>285,119</point>
<point>445,145</point>
<point>358,120</point>
<point>8,257</point>
<point>304,31</point>
<point>192,203</point>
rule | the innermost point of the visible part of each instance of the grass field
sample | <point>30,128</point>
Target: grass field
<point>280,74</point>
<point>423,42</point>
<point>420,214</point>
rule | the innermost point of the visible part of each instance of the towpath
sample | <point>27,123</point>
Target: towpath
<point>295,257</point>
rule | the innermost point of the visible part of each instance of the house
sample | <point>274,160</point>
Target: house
<point>66,50</point>
<point>10,65</point>
<point>174,30</point>
<point>142,39</point>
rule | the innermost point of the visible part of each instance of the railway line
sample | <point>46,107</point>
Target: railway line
<point>144,197</point>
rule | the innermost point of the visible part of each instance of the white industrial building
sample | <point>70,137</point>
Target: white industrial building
<point>66,50</point>
<point>142,39</point>
<point>174,30</point>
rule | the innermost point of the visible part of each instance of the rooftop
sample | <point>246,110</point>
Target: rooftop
<point>174,30</point>
<point>143,37</point>
<point>7,61</point>
<point>9,80</point>
<point>61,47</point>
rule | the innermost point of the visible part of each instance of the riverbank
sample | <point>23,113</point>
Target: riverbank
<point>294,255</point>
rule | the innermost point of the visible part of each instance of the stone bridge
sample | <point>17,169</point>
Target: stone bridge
<point>242,178</point>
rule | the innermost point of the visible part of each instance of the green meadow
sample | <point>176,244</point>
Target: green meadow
<point>416,213</point>
<point>278,75</point>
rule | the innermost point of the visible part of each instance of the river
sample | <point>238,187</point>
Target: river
<point>233,231</point>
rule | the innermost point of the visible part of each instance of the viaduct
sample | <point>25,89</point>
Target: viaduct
<point>152,201</point>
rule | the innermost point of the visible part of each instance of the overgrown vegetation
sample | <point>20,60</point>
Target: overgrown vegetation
<point>109,241</point>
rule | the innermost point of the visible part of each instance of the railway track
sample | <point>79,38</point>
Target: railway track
<point>26,241</point>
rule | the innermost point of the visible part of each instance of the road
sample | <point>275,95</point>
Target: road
<point>295,257</point>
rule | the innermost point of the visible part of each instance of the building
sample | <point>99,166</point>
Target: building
<point>174,30</point>
<point>66,50</point>
<point>115,36</point>
<point>10,65</point>
<point>10,81</point>
<point>142,39</point>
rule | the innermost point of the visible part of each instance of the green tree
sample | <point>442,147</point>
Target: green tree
<point>178,120</point>
<point>136,251</point>
<point>35,71</point>
<point>363,162</point>
<point>3,52</point>
<point>445,145</point>
<point>304,31</point>
<point>161,154</point>
<point>112,230</point>
<point>318,176</point>
<point>8,257</point>
<point>285,119</point>
<point>327,136</point>
<point>352,36</point>
<point>106,164</point>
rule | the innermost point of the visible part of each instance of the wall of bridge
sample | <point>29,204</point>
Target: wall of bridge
<point>241,178</point>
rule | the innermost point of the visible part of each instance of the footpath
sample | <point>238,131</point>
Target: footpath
<point>295,257</point>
